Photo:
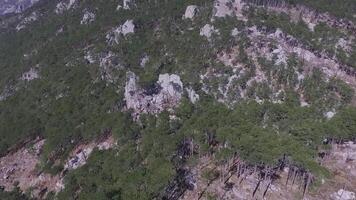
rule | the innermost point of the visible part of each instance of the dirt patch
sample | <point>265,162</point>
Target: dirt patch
<point>20,169</point>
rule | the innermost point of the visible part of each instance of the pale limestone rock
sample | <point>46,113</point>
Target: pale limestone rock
<point>88,18</point>
<point>89,57</point>
<point>109,63</point>
<point>208,30</point>
<point>144,61</point>
<point>15,6</point>
<point>31,18</point>
<point>30,75</point>
<point>122,30</point>
<point>330,114</point>
<point>62,6</point>
<point>126,5</point>
<point>192,95</point>
<point>343,195</point>
<point>166,94</point>
<point>190,12</point>
<point>223,8</point>
<point>234,32</point>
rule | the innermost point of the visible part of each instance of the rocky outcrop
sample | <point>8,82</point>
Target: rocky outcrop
<point>208,31</point>
<point>192,95</point>
<point>30,75</point>
<point>190,12</point>
<point>27,20</point>
<point>114,36</point>
<point>165,94</point>
<point>82,152</point>
<point>64,6</point>
<point>126,5</point>
<point>88,17</point>
<point>223,8</point>
<point>343,195</point>
<point>309,16</point>
<point>109,64</point>
<point>15,6</point>
<point>20,167</point>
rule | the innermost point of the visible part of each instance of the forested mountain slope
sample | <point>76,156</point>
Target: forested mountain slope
<point>177,99</point>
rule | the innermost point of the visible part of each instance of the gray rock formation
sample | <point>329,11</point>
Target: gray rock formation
<point>15,6</point>
<point>88,18</point>
<point>121,31</point>
<point>166,94</point>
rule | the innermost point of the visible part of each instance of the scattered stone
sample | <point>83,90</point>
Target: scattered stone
<point>122,30</point>
<point>62,6</point>
<point>126,5</point>
<point>208,30</point>
<point>30,75</point>
<point>343,195</point>
<point>223,8</point>
<point>89,57</point>
<point>15,6</point>
<point>144,60</point>
<point>109,64</point>
<point>165,94</point>
<point>234,32</point>
<point>192,95</point>
<point>27,20</point>
<point>190,12</point>
<point>88,18</point>
<point>20,167</point>
<point>330,114</point>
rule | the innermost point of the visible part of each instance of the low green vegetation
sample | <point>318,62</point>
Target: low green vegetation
<point>70,103</point>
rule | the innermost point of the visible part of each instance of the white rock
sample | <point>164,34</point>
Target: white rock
<point>329,114</point>
<point>62,7</point>
<point>128,27</point>
<point>30,75</point>
<point>343,195</point>
<point>144,61</point>
<point>193,96</point>
<point>88,18</point>
<point>122,30</point>
<point>31,18</point>
<point>89,58</point>
<point>304,104</point>
<point>126,5</point>
<point>167,94</point>
<point>208,30</point>
<point>224,8</point>
<point>190,12</point>
<point>234,32</point>
<point>109,63</point>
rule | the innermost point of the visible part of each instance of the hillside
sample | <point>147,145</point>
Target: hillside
<point>172,99</point>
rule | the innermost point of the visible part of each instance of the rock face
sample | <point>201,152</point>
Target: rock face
<point>88,18</point>
<point>223,8</point>
<point>30,75</point>
<point>343,195</point>
<point>208,30</point>
<point>15,6</point>
<point>120,31</point>
<point>20,167</point>
<point>27,20</point>
<point>165,94</point>
<point>80,155</point>
<point>64,6</point>
<point>192,95</point>
<point>109,64</point>
<point>126,5</point>
<point>190,12</point>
